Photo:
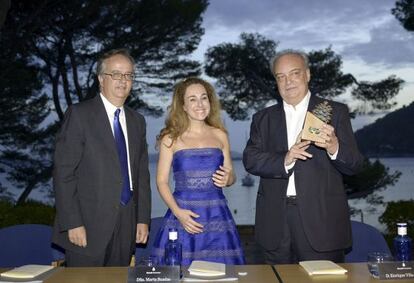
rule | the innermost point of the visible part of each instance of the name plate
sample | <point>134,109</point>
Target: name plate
<point>154,274</point>
<point>396,270</point>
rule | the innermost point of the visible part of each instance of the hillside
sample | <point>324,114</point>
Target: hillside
<point>390,136</point>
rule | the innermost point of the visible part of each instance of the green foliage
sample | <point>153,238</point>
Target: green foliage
<point>327,79</point>
<point>66,38</point>
<point>400,211</point>
<point>404,12</point>
<point>373,176</point>
<point>4,8</point>
<point>391,135</point>
<point>48,58</point>
<point>242,72</point>
<point>30,212</point>
<point>379,94</point>
<point>246,83</point>
<point>23,108</point>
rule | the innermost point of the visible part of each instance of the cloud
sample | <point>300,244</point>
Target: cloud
<point>389,44</point>
<point>352,27</point>
<point>372,43</point>
<point>260,13</point>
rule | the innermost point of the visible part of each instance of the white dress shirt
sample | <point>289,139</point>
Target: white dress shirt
<point>295,117</point>
<point>110,111</point>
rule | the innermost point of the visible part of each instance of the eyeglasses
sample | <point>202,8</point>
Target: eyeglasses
<point>119,76</point>
<point>292,75</point>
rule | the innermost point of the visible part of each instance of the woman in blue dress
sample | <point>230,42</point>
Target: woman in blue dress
<point>195,145</point>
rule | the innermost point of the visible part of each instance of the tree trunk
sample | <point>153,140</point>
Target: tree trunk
<point>55,92</point>
<point>74,65</point>
<point>23,197</point>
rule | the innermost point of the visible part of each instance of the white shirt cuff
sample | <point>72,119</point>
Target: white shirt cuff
<point>333,156</point>
<point>287,168</point>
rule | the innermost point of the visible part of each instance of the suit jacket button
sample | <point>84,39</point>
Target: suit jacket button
<point>116,206</point>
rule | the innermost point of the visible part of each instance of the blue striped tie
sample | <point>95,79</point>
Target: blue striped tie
<point>126,193</point>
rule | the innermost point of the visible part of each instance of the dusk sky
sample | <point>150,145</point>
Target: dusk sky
<point>372,43</point>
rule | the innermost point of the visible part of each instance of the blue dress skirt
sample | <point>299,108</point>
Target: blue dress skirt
<point>194,190</point>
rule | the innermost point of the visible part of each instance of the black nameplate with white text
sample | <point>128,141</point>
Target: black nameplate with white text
<point>396,270</point>
<point>154,274</point>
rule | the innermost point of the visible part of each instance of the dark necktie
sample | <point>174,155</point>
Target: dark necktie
<point>123,159</point>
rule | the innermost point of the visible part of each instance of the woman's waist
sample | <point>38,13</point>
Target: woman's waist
<point>199,194</point>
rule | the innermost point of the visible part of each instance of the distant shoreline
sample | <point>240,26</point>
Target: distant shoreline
<point>403,155</point>
<point>153,157</point>
<point>236,156</point>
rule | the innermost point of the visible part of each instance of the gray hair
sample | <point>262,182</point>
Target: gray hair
<point>122,51</point>
<point>285,52</point>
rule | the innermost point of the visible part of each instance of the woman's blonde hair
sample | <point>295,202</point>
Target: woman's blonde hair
<point>177,121</point>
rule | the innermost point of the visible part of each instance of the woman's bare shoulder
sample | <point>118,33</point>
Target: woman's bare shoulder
<point>219,133</point>
<point>167,142</point>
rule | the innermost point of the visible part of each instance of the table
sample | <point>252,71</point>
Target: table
<point>286,273</point>
<point>255,274</point>
<point>357,273</point>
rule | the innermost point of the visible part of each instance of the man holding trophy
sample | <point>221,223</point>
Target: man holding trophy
<point>300,149</point>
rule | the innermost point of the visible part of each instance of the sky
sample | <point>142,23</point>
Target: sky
<point>372,43</point>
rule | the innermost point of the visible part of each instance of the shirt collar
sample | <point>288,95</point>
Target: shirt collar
<point>109,107</point>
<point>301,106</point>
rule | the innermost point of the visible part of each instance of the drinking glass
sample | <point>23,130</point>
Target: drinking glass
<point>374,258</point>
<point>148,261</point>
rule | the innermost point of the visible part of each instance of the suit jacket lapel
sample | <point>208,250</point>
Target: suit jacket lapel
<point>277,129</point>
<point>313,101</point>
<point>132,138</point>
<point>102,123</point>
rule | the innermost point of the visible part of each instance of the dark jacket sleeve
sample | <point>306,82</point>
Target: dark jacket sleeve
<point>349,160</point>
<point>260,158</point>
<point>68,153</point>
<point>144,188</point>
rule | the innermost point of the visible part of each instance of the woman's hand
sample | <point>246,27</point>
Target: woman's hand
<point>221,177</point>
<point>189,224</point>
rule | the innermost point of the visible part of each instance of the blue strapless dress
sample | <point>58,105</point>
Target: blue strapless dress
<point>195,191</point>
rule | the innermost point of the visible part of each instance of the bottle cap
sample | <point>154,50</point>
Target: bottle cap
<point>402,229</point>
<point>173,235</point>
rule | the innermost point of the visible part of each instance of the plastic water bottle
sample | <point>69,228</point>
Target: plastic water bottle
<point>402,243</point>
<point>173,253</point>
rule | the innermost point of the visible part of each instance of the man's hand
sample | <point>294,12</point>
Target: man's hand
<point>142,233</point>
<point>297,151</point>
<point>77,236</point>
<point>331,141</point>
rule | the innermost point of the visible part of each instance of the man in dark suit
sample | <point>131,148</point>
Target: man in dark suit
<point>301,207</point>
<point>101,177</point>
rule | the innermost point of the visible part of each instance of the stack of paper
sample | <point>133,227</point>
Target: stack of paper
<point>322,267</point>
<point>204,271</point>
<point>207,268</point>
<point>26,271</point>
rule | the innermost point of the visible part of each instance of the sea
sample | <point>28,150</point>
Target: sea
<point>242,200</point>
